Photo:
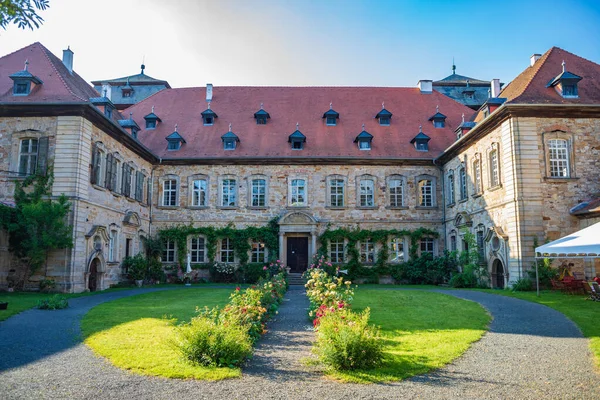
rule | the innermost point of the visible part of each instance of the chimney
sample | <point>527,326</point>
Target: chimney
<point>425,86</point>
<point>495,87</point>
<point>534,58</point>
<point>68,59</point>
<point>209,88</point>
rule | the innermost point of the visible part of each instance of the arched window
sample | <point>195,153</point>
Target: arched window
<point>425,193</point>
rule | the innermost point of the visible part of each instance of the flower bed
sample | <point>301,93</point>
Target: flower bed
<point>224,337</point>
<point>345,340</point>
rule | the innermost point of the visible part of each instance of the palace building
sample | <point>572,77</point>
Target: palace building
<point>313,158</point>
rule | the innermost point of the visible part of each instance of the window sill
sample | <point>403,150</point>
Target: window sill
<point>476,195</point>
<point>115,194</point>
<point>227,208</point>
<point>464,200</point>
<point>336,208</point>
<point>426,207</point>
<point>167,207</point>
<point>97,187</point>
<point>366,207</point>
<point>450,205</point>
<point>397,207</point>
<point>129,199</point>
<point>258,208</point>
<point>493,188</point>
<point>198,207</point>
<point>112,263</point>
<point>559,180</point>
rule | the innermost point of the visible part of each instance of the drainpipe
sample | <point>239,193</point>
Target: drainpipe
<point>151,196</point>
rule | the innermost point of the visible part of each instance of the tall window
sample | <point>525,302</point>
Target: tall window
<point>227,251</point>
<point>126,181</point>
<point>112,246</point>
<point>298,194</point>
<point>425,193</point>
<point>336,187</point>
<point>336,251</point>
<point>259,252</point>
<point>259,191</point>
<point>367,193</point>
<point>169,252</point>
<point>396,189</point>
<point>228,193</point>
<point>559,158</point>
<point>96,174</point>
<point>199,188</point>
<point>197,250</point>
<point>169,192</point>
<point>367,252</point>
<point>139,186</point>
<point>453,242</point>
<point>494,169</point>
<point>426,246</point>
<point>480,244</point>
<point>462,181</point>
<point>451,187</point>
<point>397,250</point>
<point>477,175</point>
<point>28,156</point>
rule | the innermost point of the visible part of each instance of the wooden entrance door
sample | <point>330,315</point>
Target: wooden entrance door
<point>498,274</point>
<point>93,278</point>
<point>297,253</point>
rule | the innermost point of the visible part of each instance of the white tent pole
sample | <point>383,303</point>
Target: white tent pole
<point>537,277</point>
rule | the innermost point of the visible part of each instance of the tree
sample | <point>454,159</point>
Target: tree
<point>22,13</point>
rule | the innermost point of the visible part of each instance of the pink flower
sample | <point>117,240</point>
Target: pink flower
<point>237,288</point>
<point>265,268</point>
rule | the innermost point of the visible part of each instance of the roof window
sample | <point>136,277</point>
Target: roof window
<point>421,141</point>
<point>566,83</point>
<point>152,120</point>
<point>103,104</point>
<point>331,116</point>
<point>130,125</point>
<point>364,139</point>
<point>230,140</point>
<point>261,116</point>
<point>438,119</point>
<point>208,116</point>
<point>24,81</point>
<point>297,139</point>
<point>384,116</point>
<point>127,90</point>
<point>175,140</point>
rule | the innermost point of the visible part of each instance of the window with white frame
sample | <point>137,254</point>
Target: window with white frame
<point>367,251</point>
<point>298,192</point>
<point>259,252</point>
<point>169,253</point>
<point>425,193</point>
<point>259,192</point>
<point>477,175</point>
<point>558,155</point>
<point>112,246</point>
<point>227,255</point>
<point>228,193</point>
<point>337,188</point>
<point>494,168</point>
<point>169,192</point>
<point>28,156</point>
<point>197,249</point>
<point>453,242</point>
<point>426,246</point>
<point>336,251</point>
<point>396,190</point>
<point>462,182</point>
<point>199,193</point>
<point>450,191</point>
<point>397,250</point>
<point>367,192</point>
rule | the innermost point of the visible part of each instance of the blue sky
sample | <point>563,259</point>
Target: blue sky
<point>316,43</point>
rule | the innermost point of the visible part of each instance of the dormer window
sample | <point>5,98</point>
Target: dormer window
<point>230,140</point>
<point>566,83</point>
<point>364,139</point>
<point>103,104</point>
<point>130,125</point>
<point>127,89</point>
<point>24,81</point>
<point>175,140</point>
<point>152,120</point>
<point>331,116</point>
<point>297,139</point>
<point>261,116</point>
<point>126,93</point>
<point>438,119</point>
<point>384,116</point>
<point>421,141</point>
<point>208,116</point>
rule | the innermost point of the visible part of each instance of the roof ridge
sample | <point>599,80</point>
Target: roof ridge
<point>46,51</point>
<point>538,65</point>
<point>21,49</point>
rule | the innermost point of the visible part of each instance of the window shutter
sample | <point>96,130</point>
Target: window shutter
<point>114,174</point>
<point>108,183</point>
<point>42,157</point>
<point>95,156</point>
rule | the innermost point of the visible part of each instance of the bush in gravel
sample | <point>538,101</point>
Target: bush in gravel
<point>56,302</point>
<point>206,341</point>
<point>345,340</point>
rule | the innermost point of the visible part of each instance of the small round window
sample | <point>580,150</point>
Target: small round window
<point>495,243</point>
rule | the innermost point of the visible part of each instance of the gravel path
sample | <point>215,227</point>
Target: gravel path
<point>530,352</point>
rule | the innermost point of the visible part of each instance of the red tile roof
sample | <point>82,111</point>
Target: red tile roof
<point>530,86</point>
<point>305,105</point>
<point>58,84</point>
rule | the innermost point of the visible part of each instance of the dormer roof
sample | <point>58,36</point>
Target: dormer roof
<point>25,75</point>
<point>438,116</point>
<point>129,123</point>
<point>420,136</point>
<point>175,137</point>
<point>364,135</point>
<point>230,136</point>
<point>297,135</point>
<point>261,113</point>
<point>383,114</point>
<point>331,113</point>
<point>152,116</point>
<point>564,76</point>
<point>209,113</point>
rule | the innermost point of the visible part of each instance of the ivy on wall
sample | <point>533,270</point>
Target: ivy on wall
<point>354,236</point>
<point>241,239</point>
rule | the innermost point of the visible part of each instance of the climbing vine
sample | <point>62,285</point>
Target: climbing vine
<point>241,239</point>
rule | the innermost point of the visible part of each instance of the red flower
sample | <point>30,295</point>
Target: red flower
<point>237,288</point>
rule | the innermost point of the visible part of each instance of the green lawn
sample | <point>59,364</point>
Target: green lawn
<point>134,333</point>
<point>585,313</point>
<point>422,331</point>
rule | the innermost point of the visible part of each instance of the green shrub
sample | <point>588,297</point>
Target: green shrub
<point>56,302</point>
<point>523,285</point>
<point>545,272</point>
<point>223,272</point>
<point>252,272</point>
<point>136,267</point>
<point>47,285</point>
<point>155,270</point>
<point>346,341</point>
<point>204,341</point>
<point>425,270</point>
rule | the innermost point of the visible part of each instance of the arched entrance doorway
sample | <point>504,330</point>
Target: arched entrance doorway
<point>498,274</point>
<point>93,278</point>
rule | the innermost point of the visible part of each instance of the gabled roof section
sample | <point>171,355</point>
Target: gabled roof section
<point>331,112</point>
<point>261,113</point>
<point>364,135</point>
<point>438,116</point>
<point>129,123</point>
<point>297,135</point>
<point>209,113</point>
<point>139,79</point>
<point>530,87</point>
<point>566,76</point>
<point>25,75</point>
<point>152,116</point>
<point>59,86</point>
<point>455,79</point>
<point>230,135</point>
<point>383,113</point>
<point>420,136</point>
<point>175,137</point>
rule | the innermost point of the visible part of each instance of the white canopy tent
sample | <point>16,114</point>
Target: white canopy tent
<point>581,244</point>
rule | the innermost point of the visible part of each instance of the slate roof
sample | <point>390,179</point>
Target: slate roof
<point>139,79</point>
<point>364,135</point>
<point>289,105</point>
<point>59,86</point>
<point>455,79</point>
